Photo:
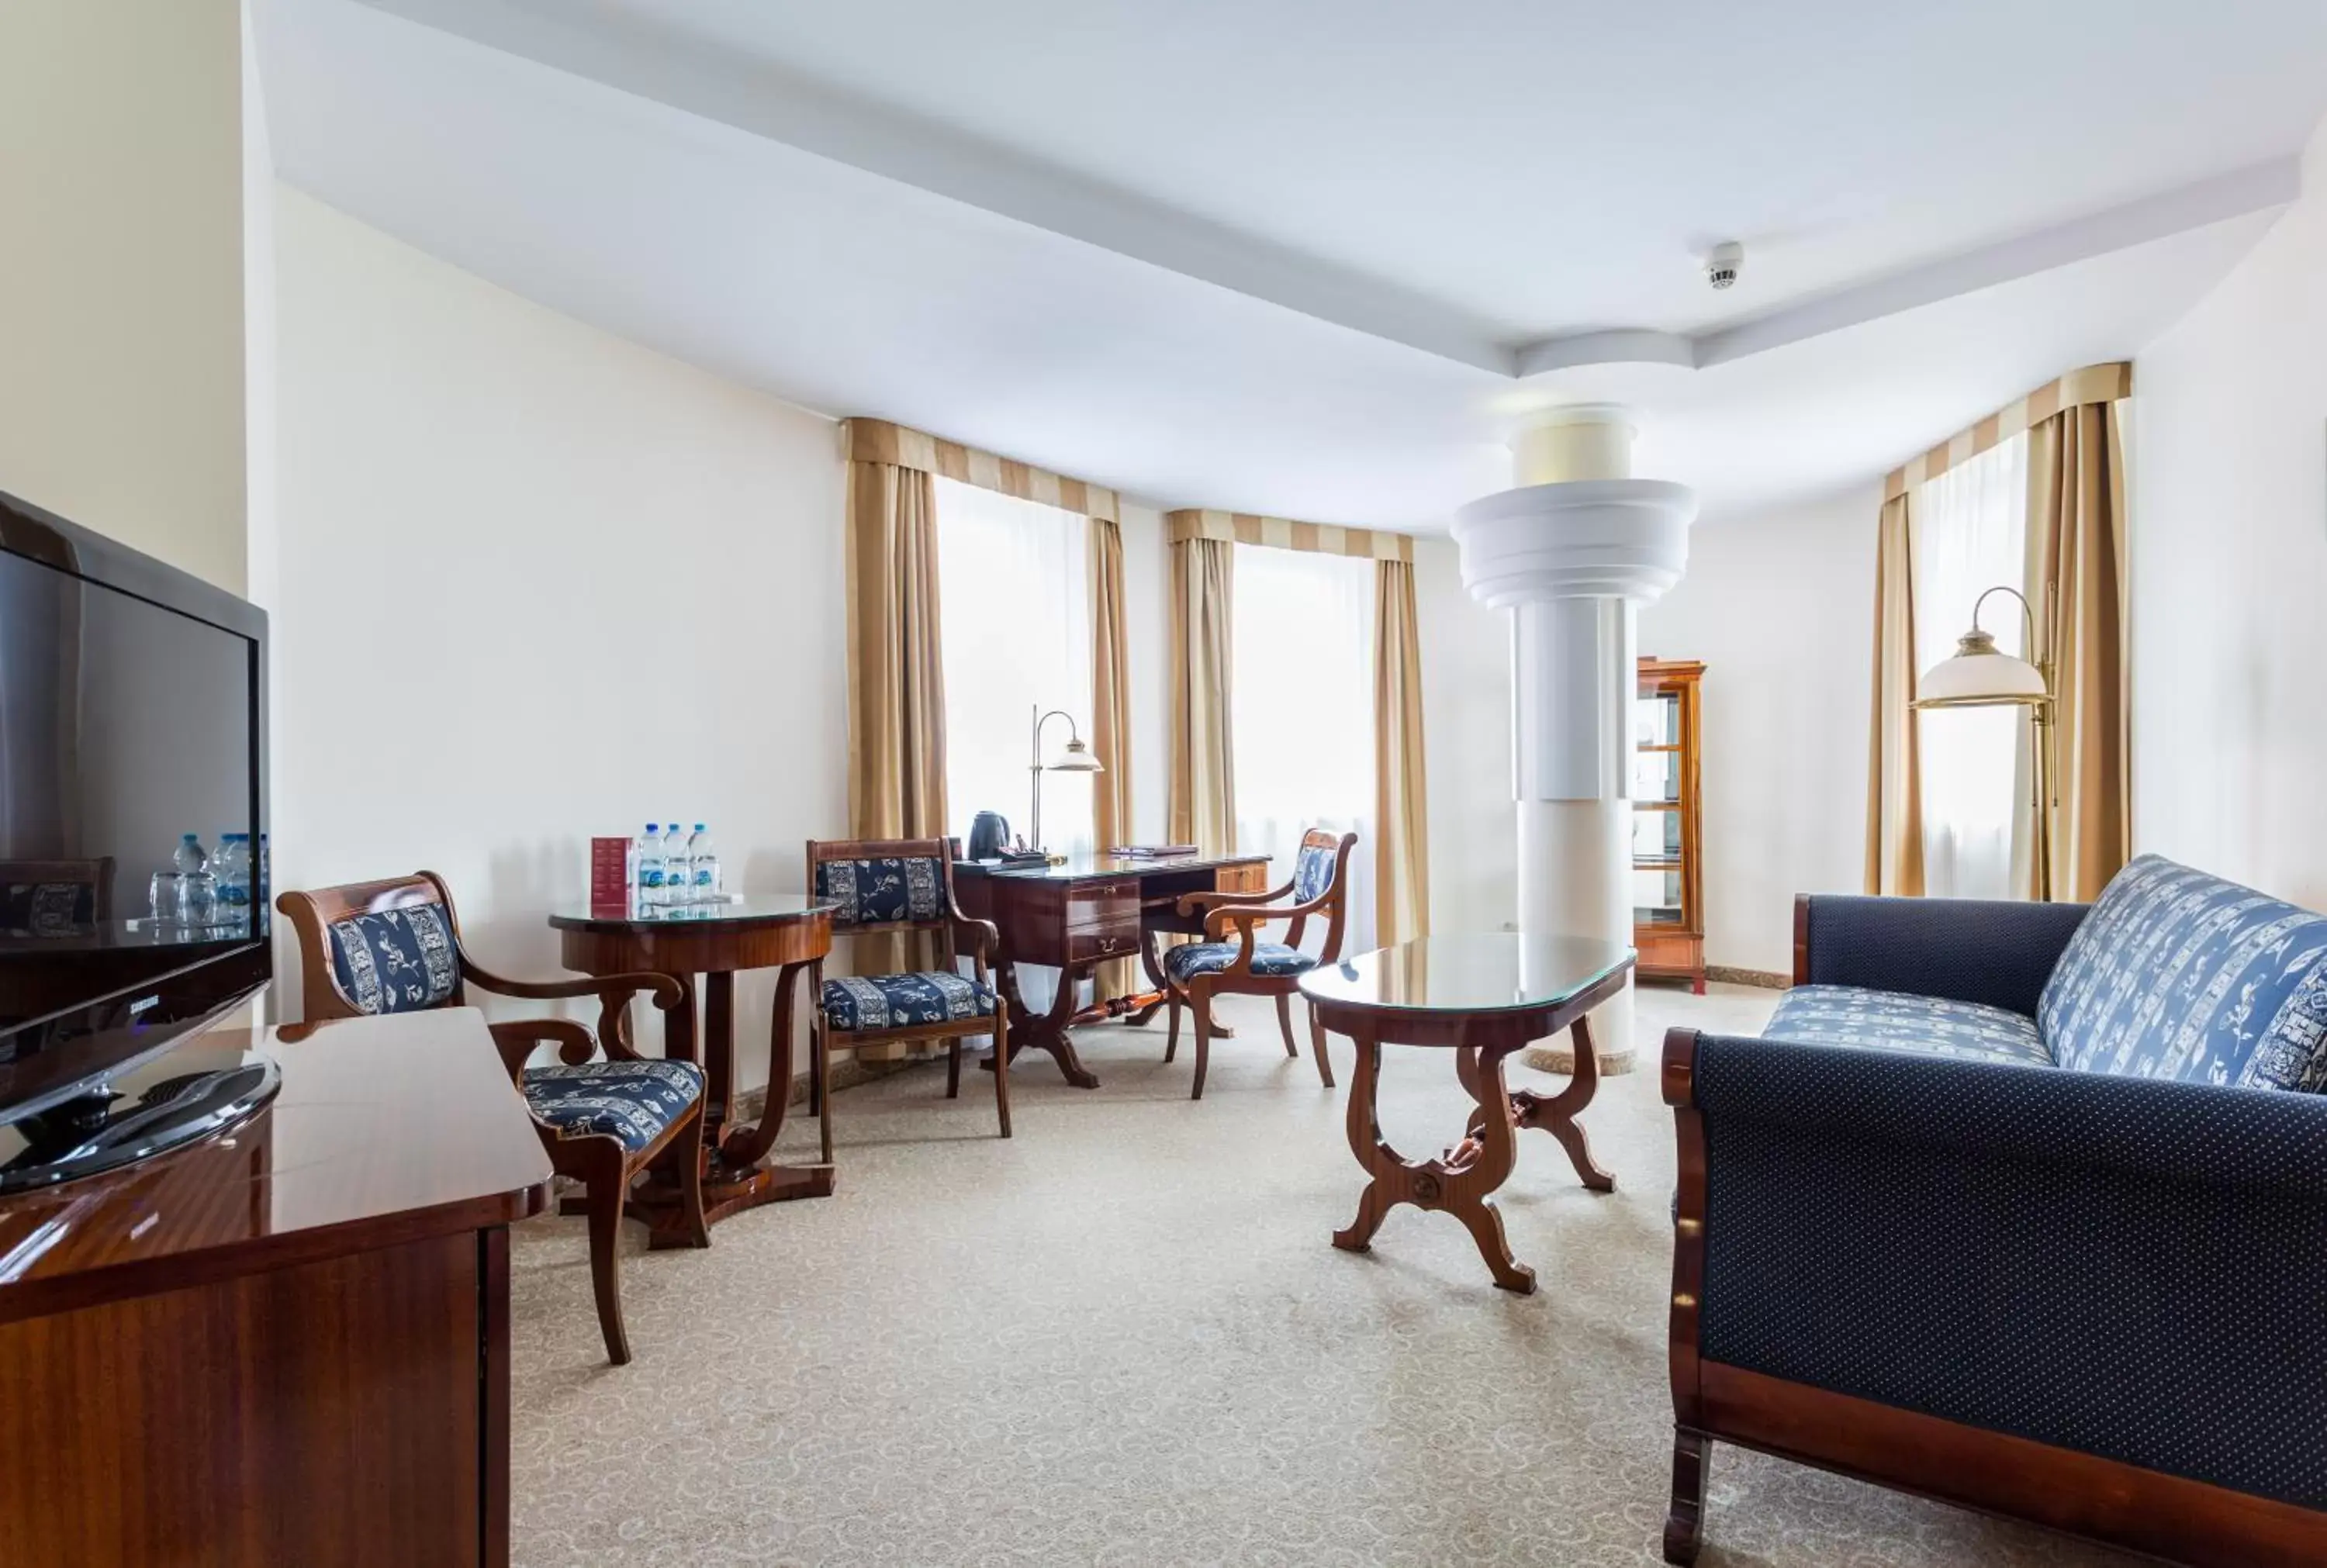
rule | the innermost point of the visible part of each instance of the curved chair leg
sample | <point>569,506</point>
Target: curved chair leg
<point>1001,1065</point>
<point>687,1150</point>
<point>1317,1045</point>
<point>1172,1037</point>
<point>1200,1002</point>
<point>1285,1026</point>
<point>608,1183</point>
<point>953,1068</point>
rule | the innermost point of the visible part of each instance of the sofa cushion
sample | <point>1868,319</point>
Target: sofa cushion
<point>2177,974</point>
<point>1896,1021</point>
<point>904,1001</point>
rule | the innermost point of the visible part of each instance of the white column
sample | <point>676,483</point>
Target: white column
<point>1573,553</point>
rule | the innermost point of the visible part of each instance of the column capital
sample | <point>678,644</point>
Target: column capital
<point>1595,538</point>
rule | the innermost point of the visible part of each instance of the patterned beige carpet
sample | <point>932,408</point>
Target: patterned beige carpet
<point>1123,1339</point>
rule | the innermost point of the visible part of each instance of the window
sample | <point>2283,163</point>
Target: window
<point>1013,597</point>
<point>1302,716</point>
<point>1971,531</point>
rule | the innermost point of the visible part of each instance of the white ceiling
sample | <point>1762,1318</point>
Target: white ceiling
<point>1287,257</point>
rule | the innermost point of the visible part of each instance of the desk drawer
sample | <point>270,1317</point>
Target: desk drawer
<point>1086,945</point>
<point>1110,908</point>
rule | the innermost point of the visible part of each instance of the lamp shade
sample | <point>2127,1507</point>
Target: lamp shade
<point>1075,759</point>
<point>1978,675</point>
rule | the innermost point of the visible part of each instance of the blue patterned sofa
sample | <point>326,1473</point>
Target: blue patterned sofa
<point>2022,1207</point>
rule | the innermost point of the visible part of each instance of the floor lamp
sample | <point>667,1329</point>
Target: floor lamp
<point>1979,677</point>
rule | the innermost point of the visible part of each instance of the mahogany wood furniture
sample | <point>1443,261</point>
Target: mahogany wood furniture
<point>1076,916</point>
<point>1669,825</point>
<point>1232,958</point>
<point>1485,996</point>
<point>287,1343</point>
<point>605,1163</point>
<point>788,932</point>
<point>904,888</point>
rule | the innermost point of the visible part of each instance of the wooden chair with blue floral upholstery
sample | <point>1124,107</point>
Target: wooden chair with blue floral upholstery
<point>394,946</point>
<point>1196,972</point>
<point>904,886</point>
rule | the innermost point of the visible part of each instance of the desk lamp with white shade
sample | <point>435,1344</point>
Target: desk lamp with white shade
<point>1979,676</point>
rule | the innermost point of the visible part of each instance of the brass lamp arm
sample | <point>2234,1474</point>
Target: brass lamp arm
<point>1034,765</point>
<point>2027,622</point>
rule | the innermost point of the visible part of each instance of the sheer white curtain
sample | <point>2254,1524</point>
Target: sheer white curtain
<point>1014,629</point>
<point>1302,712</point>
<point>1971,531</point>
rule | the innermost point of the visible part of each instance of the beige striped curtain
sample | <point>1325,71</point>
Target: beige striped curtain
<point>896,678</point>
<point>2077,581</point>
<point>1111,721</point>
<point>1401,803</point>
<point>1202,802</point>
<point>1894,796</point>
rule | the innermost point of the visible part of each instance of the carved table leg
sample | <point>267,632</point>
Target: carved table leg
<point>1460,1183</point>
<point>1047,1031</point>
<point>736,1175</point>
<point>1684,1525</point>
<point>1160,989</point>
<point>1557,1113</point>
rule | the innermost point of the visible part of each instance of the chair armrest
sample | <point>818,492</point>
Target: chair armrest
<point>2053,1254</point>
<point>1995,952</point>
<point>1197,903</point>
<point>519,1038</point>
<point>666,990</point>
<point>985,937</point>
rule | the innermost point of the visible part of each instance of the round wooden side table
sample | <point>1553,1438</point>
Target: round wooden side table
<point>788,932</point>
<point>1485,996</point>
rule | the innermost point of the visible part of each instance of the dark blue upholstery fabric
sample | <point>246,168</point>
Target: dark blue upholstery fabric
<point>1313,872</point>
<point>901,1001</point>
<point>2127,1267</point>
<point>634,1101</point>
<point>1995,952</point>
<point>396,960</point>
<point>2179,974</point>
<point>874,892</point>
<point>1211,957</point>
<point>1894,1021</point>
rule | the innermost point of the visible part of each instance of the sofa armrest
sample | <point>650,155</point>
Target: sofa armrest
<point>2127,1267</point>
<point>1996,952</point>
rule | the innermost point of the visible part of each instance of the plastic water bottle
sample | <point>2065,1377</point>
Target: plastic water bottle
<point>646,867</point>
<point>232,866</point>
<point>674,866</point>
<point>199,897</point>
<point>702,867</point>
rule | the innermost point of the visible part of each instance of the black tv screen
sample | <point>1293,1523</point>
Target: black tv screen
<point>132,713</point>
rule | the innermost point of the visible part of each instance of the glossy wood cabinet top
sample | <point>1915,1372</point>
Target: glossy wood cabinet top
<point>386,1130</point>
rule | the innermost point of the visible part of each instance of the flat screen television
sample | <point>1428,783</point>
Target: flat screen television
<point>132,710</point>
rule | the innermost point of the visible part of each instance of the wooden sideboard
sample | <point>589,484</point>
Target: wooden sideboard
<point>287,1343</point>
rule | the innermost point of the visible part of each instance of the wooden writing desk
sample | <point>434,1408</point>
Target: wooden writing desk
<point>1075,917</point>
<point>286,1343</point>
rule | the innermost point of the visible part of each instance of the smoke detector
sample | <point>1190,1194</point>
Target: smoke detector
<point>1721,263</point>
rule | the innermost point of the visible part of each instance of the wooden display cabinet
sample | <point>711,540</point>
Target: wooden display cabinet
<point>1668,825</point>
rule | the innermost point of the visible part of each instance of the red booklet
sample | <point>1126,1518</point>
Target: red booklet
<point>610,884</point>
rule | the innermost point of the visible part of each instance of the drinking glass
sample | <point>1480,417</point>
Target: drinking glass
<point>168,894</point>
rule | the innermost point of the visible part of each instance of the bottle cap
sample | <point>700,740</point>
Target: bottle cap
<point>698,828</point>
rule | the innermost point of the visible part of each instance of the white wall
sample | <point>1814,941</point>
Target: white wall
<point>1779,607</point>
<point>121,307</point>
<point>1466,740</point>
<point>2229,526</point>
<point>537,583</point>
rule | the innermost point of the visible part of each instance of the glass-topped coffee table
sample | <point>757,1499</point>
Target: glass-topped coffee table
<point>1485,996</point>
